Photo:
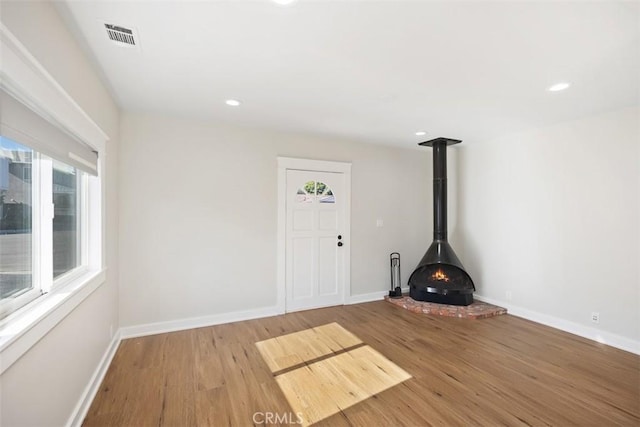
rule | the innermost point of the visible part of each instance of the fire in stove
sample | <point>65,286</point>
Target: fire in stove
<point>440,276</point>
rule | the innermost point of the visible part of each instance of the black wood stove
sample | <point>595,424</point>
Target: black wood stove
<point>440,276</point>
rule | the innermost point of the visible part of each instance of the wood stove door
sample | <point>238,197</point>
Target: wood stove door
<point>315,247</point>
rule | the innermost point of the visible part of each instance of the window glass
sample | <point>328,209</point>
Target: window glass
<point>16,200</point>
<point>325,195</point>
<point>313,190</point>
<point>306,193</point>
<point>66,220</point>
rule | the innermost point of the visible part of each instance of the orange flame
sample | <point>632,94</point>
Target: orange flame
<point>439,275</point>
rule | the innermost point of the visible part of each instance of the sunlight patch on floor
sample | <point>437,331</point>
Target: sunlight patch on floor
<point>326,369</point>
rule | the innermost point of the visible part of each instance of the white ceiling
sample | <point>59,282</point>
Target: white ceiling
<point>375,71</point>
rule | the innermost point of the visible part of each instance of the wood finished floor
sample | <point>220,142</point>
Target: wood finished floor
<point>498,371</point>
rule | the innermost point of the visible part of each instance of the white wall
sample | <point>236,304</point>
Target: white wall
<point>198,215</point>
<point>552,216</point>
<point>43,387</point>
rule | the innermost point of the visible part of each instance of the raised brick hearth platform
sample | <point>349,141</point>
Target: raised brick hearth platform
<point>476,310</point>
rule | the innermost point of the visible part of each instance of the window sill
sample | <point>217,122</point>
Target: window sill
<point>22,330</point>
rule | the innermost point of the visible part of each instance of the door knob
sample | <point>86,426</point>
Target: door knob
<point>339,243</point>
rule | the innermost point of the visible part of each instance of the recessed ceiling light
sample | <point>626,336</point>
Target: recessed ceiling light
<point>284,2</point>
<point>232,102</point>
<point>558,87</point>
<point>421,133</point>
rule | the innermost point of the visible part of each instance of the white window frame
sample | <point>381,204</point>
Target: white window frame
<point>42,218</point>
<point>22,76</point>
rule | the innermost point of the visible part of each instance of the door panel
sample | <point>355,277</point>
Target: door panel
<point>314,262</point>
<point>327,266</point>
<point>302,220</point>
<point>328,220</point>
<point>302,266</point>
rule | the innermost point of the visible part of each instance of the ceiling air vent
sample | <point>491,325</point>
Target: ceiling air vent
<point>121,35</point>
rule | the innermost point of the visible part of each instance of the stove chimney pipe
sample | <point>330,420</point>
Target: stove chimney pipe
<point>440,185</point>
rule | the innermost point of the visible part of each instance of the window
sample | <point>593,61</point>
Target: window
<point>315,189</point>
<point>37,249</point>
<point>47,178</point>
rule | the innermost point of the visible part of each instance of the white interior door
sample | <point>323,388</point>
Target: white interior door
<point>316,244</point>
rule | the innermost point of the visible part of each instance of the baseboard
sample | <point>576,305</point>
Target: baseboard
<point>603,337</point>
<point>196,322</point>
<point>82,407</point>
<point>373,296</point>
<point>218,319</point>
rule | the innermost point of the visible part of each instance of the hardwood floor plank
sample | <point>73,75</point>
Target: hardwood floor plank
<point>498,371</point>
<point>213,408</point>
<point>178,406</point>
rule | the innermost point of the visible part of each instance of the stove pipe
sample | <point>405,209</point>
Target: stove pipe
<point>440,276</point>
<point>440,185</point>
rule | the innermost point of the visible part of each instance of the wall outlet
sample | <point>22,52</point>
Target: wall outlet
<point>595,317</point>
<point>508,295</point>
<point>379,222</point>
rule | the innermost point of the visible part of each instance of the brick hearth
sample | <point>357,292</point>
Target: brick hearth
<point>476,310</point>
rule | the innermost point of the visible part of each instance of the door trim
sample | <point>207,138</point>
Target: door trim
<point>290,163</point>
